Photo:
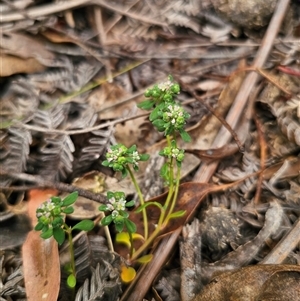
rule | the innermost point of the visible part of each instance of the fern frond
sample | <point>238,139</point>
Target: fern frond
<point>93,148</point>
<point>100,287</point>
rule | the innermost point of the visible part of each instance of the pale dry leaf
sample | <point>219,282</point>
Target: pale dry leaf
<point>12,65</point>
<point>24,46</point>
<point>40,257</point>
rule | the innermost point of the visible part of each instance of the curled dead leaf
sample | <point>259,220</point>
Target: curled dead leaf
<point>259,282</point>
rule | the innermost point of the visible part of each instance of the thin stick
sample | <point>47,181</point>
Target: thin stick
<point>42,183</point>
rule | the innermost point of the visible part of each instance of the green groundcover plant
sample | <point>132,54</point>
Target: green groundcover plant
<point>51,221</point>
<point>168,116</point>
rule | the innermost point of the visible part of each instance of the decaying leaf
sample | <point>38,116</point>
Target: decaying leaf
<point>11,65</point>
<point>24,46</point>
<point>40,257</point>
<point>254,283</point>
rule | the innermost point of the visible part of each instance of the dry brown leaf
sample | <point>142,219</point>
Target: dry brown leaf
<point>11,65</point>
<point>41,264</point>
<point>254,283</point>
<point>24,46</point>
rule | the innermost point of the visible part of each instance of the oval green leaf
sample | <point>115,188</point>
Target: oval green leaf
<point>70,199</point>
<point>47,234</point>
<point>59,235</point>
<point>71,281</point>
<point>106,220</point>
<point>85,225</point>
<point>185,136</point>
<point>39,226</point>
<point>131,227</point>
<point>68,210</point>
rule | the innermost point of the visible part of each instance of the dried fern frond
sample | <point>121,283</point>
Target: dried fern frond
<point>102,286</point>
<point>18,101</point>
<point>16,143</point>
<point>52,157</point>
<point>289,119</point>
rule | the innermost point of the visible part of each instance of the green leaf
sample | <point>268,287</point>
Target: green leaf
<point>39,226</point>
<point>106,220</point>
<point>164,171</point>
<point>68,210</point>
<point>105,163</point>
<point>57,222</point>
<point>146,105</point>
<point>185,136</point>
<point>155,114</point>
<point>110,194</point>
<point>56,199</point>
<point>119,224</point>
<point>85,225</point>
<point>177,214</point>
<point>71,281</point>
<point>144,157</point>
<point>70,199</point>
<point>47,234</point>
<point>124,173</point>
<point>131,227</point>
<point>59,235</point>
<point>132,149</point>
<point>130,203</point>
<point>124,214</point>
<point>159,124</point>
<point>102,208</point>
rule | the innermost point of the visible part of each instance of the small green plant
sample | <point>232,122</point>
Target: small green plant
<point>51,221</point>
<point>168,116</point>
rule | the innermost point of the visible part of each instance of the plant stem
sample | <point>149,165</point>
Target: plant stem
<point>71,249</point>
<point>72,257</point>
<point>174,196</point>
<point>142,201</point>
<point>163,219</point>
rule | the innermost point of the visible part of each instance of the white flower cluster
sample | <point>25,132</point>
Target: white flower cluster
<point>165,85</point>
<point>45,208</point>
<point>135,158</point>
<point>113,155</point>
<point>116,206</point>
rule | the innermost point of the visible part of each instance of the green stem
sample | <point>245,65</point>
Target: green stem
<point>173,204</point>
<point>142,201</point>
<point>163,219</point>
<point>72,257</point>
<point>145,245</point>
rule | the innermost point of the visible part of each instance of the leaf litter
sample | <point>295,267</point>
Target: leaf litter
<point>73,75</point>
